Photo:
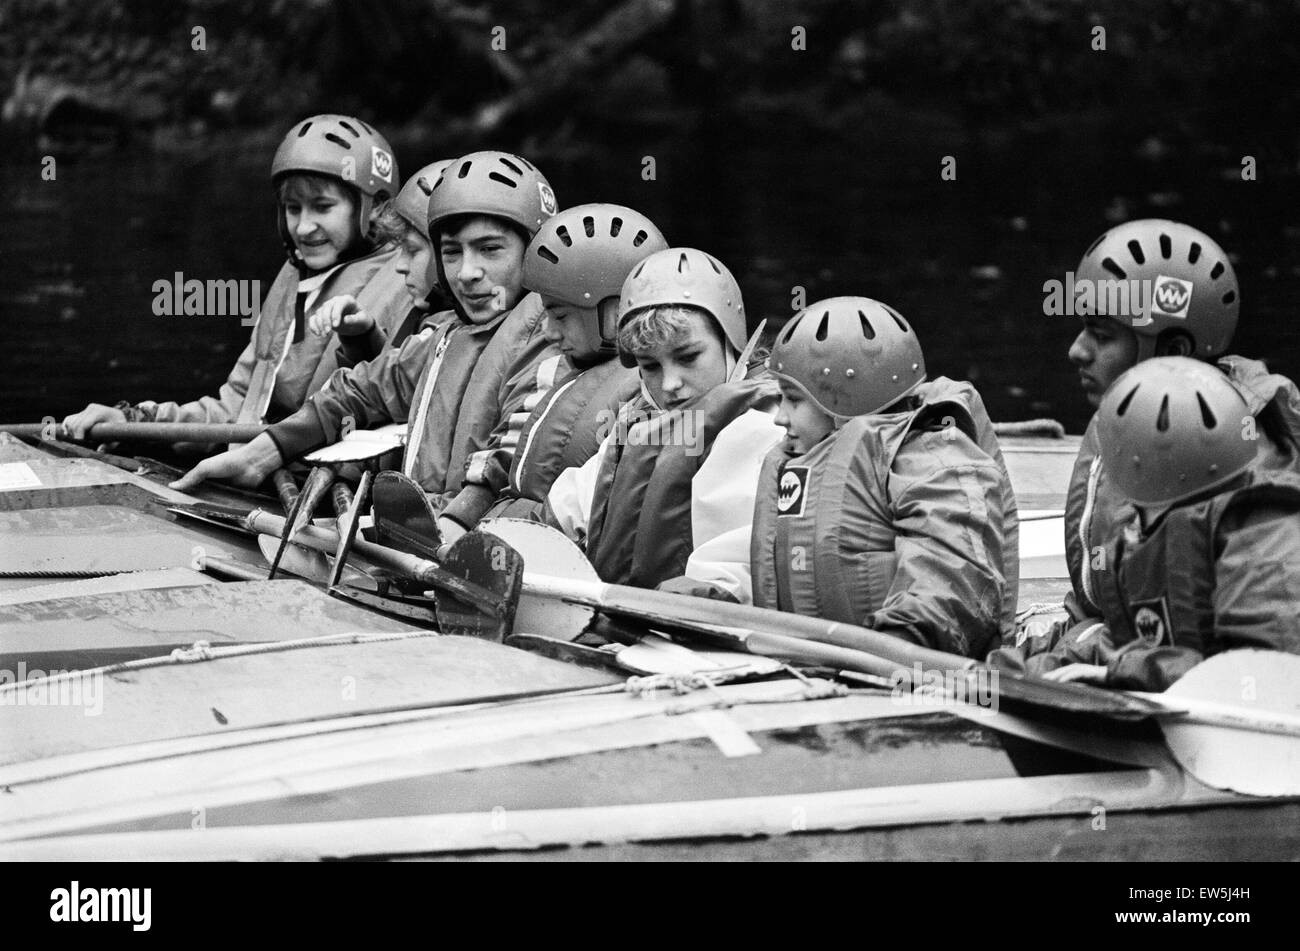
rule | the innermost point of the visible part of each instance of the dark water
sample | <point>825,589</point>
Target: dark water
<point>863,213</point>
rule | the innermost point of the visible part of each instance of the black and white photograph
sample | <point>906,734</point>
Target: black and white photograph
<point>646,431</point>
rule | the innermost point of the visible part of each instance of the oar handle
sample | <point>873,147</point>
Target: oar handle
<point>151,432</point>
<point>342,497</point>
<point>286,488</point>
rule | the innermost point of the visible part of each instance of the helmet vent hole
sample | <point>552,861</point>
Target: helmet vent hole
<point>338,140</point>
<point>498,177</point>
<point>1229,297</point>
<point>562,233</point>
<point>898,319</point>
<point>303,130</point>
<point>422,183</point>
<point>714,264</point>
<point>615,226</point>
<point>366,127</point>
<point>1216,271</point>
<point>682,265</point>
<point>512,166</point>
<point>525,163</point>
<point>1162,418</point>
<point>788,332</point>
<point>1166,247</point>
<point>1194,253</point>
<point>823,328</point>
<point>639,268</point>
<point>1135,249</point>
<point>640,239</point>
<point>868,331</point>
<point>1110,265</point>
<point>464,170</point>
<point>546,254</point>
<point>1207,415</point>
<point>355,133</point>
<point>1123,404</point>
<point>589,226</point>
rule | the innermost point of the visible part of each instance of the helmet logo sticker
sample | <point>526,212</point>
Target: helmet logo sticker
<point>548,198</point>
<point>1172,296</point>
<point>1151,622</point>
<point>382,163</point>
<point>792,490</point>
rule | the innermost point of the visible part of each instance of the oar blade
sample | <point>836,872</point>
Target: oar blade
<point>490,563</point>
<point>404,519</point>
<point>317,484</point>
<point>546,551</point>
<point>1237,758</point>
<point>348,522</point>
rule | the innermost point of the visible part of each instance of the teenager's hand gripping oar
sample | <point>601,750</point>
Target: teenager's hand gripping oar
<point>313,490</point>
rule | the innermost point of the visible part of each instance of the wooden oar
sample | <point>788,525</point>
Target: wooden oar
<point>317,484</point>
<point>147,432</point>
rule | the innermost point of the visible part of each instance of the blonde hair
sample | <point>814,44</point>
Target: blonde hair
<point>659,326</point>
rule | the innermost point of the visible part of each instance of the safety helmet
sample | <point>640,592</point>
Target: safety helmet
<point>850,355</point>
<point>583,255</point>
<point>342,147</point>
<point>1193,287</point>
<point>492,183</point>
<point>1171,428</point>
<point>412,202</point>
<point>685,277</point>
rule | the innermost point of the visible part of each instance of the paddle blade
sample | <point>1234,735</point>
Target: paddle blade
<point>317,484</point>
<point>547,551</point>
<point>490,563</point>
<point>404,519</point>
<point>348,521</point>
<point>1260,685</point>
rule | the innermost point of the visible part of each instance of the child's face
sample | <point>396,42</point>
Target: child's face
<point>575,330</point>
<point>415,264</point>
<point>484,264</point>
<point>805,425</point>
<point>685,367</point>
<point>1103,350</point>
<point>323,225</point>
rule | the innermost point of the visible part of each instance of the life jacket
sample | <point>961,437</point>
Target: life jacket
<point>1094,509</point>
<point>291,364</point>
<point>639,532</point>
<point>568,425</point>
<point>824,538</point>
<point>1161,589</point>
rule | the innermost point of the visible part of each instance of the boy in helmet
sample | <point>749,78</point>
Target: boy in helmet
<point>328,172</point>
<point>1210,559</point>
<point>1186,304</point>
<point>887,504</point>
<point>674,480</point>
<point>457,377</point>
<point>577,262</point>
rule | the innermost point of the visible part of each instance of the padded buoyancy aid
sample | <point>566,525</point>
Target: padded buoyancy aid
<point>639,532</point>
<point>286,371</point>
<point>826,544</point>
<point>1161,589</point>
<point>1094,509</point>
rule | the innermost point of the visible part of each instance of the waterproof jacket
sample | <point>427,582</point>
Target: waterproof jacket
<point>1094,509</point>
<point>284,363</point>
<point>903,522</point>
<point>1209,576</point>
<point>666,486</point>
<point>555,430</point>
<point>451,383</point>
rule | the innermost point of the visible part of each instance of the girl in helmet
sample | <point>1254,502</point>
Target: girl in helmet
<point>887,504</point>
<point>577,262</point>
<point>1189,306</point>
<point>328,173</point>
<point>403,223</point>
<point>1210,559</point>
<point>463,372</point>
<point>673,482</point>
